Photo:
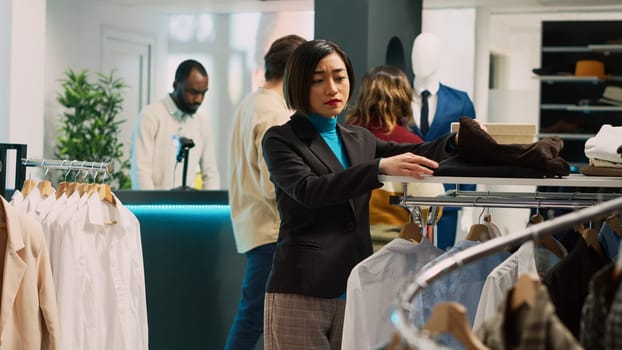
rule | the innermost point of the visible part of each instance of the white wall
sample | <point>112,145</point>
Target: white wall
<point>74,39</point>
<point>21,69</point>
<point>457,66</point>
<point>5,62</point>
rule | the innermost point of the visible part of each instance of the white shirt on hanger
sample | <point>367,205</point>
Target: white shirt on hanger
<point>373,285</point>
<point>502,279</point>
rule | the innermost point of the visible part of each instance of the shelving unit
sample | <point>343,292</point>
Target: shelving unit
<point>569,106</point>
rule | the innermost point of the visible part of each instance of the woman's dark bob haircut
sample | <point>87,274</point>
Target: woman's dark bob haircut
<point>299,72</point>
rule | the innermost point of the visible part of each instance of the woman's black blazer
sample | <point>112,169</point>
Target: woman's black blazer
<point>324,208</point>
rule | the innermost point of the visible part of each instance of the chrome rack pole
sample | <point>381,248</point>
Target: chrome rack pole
<point>413,335</point>
<point>69,164</point>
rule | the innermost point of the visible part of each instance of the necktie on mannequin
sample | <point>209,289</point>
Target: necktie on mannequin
<point>424,126</point>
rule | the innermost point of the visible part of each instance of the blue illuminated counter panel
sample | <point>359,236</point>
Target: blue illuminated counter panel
<point>193,272</point>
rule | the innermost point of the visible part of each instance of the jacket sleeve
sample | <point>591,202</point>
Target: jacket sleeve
<point>437,150</point>
<point>294,169</point>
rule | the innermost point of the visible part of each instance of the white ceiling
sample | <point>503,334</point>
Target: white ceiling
<point>495,6</point>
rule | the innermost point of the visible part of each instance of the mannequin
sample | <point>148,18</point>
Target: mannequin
<point>445,105</point>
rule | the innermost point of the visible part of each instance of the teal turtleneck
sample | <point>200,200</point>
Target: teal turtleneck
<point>327,127</point>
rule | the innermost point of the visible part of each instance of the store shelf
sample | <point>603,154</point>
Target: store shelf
<point>582,137</point>
<point>576,79</point>
<point>588,48</point>
<point>566,49</point>
<point>568,102</point>
<point>573,180</point>
<point>575,108</point>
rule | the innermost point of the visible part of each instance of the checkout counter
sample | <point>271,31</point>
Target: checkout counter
<point>193,272</point>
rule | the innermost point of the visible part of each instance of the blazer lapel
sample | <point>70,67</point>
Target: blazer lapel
<point>351,144</point>
<point>305,130</point>
<point>352,147</point>
<point>441,105</point>
<point>14,265</point>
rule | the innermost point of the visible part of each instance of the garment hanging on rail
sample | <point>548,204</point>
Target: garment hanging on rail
<point>373,285</point>
<point>28,313</point>
<point>568,283</point>
<point>533,327</point>
<point>462,285</point>
<point>96,259</point>
<point>426,278</point>
<point>602,290</point>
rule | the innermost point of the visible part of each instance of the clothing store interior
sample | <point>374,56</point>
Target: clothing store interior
<point>512,243</point>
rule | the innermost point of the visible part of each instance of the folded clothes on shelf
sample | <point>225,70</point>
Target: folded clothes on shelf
<point>612,95</point>
<point>604,144</point>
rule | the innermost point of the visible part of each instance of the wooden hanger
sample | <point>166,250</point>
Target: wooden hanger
<point>590,236</point>
<point>105,194</point>
<point>396,343</point>
<point>478,232</point>
<point>492,228</point>
<point>71,188</point>
<point>525,290</point>
<point>45,188</point>
<point>91,188</point>
<point>451,317</point>
<point>546,241</point>
<point>411,230</point>
<point>62,186</point>
<point>536,218</point>
<point>29,185</point>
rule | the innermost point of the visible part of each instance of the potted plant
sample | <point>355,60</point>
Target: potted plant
<point>89,128</point>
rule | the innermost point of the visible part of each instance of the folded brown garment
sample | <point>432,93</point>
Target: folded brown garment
<point>600,171</point>
<point>475,144</point>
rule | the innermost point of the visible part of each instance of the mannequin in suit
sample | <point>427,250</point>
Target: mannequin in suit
<point>445,105</point>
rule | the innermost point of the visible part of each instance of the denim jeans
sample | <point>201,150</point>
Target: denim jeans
<point>248,324</point>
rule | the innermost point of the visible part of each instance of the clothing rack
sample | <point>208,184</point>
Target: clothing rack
<point>20,171</point>
<point>593,204</point>
<point>506,199</point>
<point>495,199</point>
<point>69,165</point>
<point>415,336</point>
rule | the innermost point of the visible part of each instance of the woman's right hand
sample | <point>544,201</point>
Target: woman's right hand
<point>407,164</point>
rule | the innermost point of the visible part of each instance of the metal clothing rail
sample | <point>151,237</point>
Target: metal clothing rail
<point>414,335</point>
<point>69,165</point>
<point>507,199</point>
<point>572,180</point>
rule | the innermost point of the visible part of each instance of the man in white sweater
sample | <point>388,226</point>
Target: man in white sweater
<point>155,138</point>
<point>251,194</point>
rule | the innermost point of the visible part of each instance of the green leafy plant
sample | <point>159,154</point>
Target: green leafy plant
<point>89,128</point>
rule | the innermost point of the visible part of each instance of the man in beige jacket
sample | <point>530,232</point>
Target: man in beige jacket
<point>251,194</point>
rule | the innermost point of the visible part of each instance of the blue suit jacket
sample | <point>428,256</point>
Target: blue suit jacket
<point>451,105</point>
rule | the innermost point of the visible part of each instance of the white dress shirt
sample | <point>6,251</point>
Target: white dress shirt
<point>502,279</point>
<point>372,287</point>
